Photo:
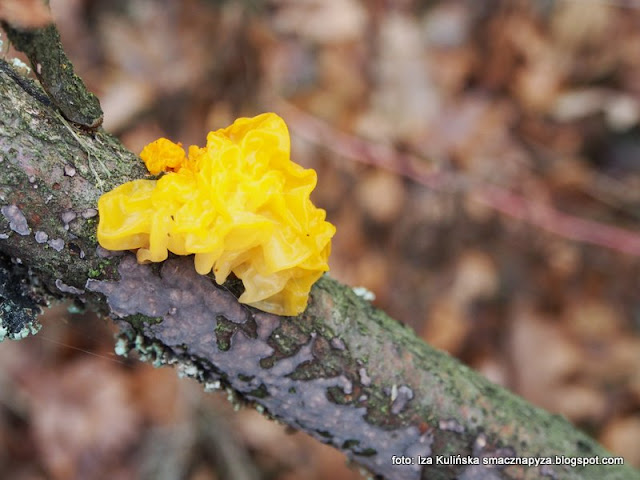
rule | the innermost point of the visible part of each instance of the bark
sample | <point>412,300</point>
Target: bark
<point>55,72</point>
<point>342,371</point>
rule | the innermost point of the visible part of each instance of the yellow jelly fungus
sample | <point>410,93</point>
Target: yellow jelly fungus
<point>239,204</point>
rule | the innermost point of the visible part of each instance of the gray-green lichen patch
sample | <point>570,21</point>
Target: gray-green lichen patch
<point>451,425</point>
<point>41,237</point>
<point>403,395</point>
<point>57,244</point>
<point>89,213</point>
<point>191,307</point>
<point>69,170</point>
<point>64,288</point>
<point>30,328</point>
<point>120,348</point>
<point>364,293</point>
<point>337,343</point>
<point>365,380</point>
<point>67,217</point>
<point>17,220</point>
<point>104,253</point>
<point>188,370</point>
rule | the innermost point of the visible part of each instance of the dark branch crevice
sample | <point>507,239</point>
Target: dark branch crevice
<point>20,302</point>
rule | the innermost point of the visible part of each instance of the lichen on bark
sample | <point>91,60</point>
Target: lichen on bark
<point>37,147</point>
<point>66,90</point>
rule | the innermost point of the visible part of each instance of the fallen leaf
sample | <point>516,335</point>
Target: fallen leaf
<point>25,13</point>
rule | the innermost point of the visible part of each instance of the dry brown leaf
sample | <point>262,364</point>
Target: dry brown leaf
<point>494,369</point>
<point>593,321</point>
<point>476,277</point>
<point>563,257</point>
<point>25,13</point>
<point>123,99</point>
<point>542,357</point>
<point>157,393</point>
<point>381,195</point>
<point>372,272</point>
<point>574,26</point>
<point>614,362</point>
<point>295,456</point>
<point>447,326</point>
<point>405,93</point>
<point>537,85</point>
<point>579,403</point>
<point>87,414</point>
<point>323,21</point>
<point>622,437</point>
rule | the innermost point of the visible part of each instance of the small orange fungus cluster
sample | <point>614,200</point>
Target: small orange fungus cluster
<point>239,204</point>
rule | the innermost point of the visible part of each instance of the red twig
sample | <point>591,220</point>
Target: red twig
<point>500,199</point>
<point>568,226</point>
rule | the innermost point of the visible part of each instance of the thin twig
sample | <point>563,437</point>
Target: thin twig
<point>498,198</point>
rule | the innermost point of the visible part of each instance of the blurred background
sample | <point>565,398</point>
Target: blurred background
<point>480,159</point>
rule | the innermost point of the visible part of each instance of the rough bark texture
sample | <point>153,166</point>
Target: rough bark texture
<point>51,175</point>
<point>343,371</point>
<point>55,72</point>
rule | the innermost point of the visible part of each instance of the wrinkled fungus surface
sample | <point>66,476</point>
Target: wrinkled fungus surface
<point>239,204</point>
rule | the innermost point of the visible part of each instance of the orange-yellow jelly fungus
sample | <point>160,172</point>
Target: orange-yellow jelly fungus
<point>239,204</point>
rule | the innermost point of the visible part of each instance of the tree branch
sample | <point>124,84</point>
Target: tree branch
<point>343,371</point>
<point>55,72</point>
